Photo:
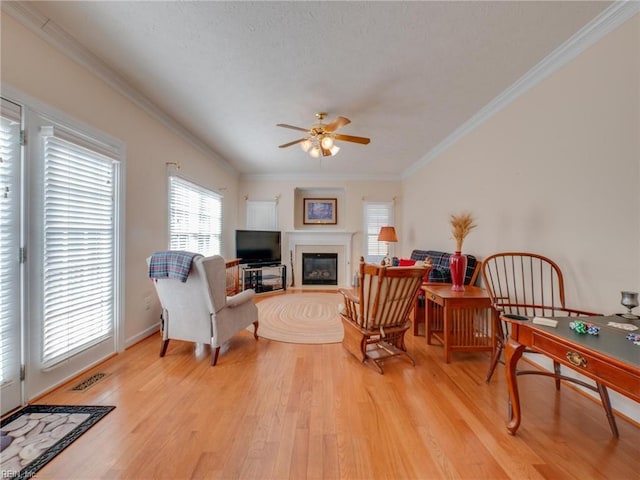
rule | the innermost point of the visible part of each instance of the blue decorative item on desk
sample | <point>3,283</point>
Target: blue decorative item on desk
<point>593,330</point>
<point>581,328</point>
<point>634,337</point>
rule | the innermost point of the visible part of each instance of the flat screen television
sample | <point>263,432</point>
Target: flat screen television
<point>258,247</point>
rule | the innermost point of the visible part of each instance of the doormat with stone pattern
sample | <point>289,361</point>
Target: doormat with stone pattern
<point>32,436</point>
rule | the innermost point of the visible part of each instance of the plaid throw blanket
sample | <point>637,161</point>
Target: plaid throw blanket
<point>171,264</point>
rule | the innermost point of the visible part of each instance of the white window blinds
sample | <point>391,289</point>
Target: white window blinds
<point>262,215</point>
<point>195,218</point>
<point>9,242</point>
<point>79,248</point>
<point>376,215</point>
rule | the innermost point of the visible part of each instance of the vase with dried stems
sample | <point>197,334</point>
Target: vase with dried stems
<point>461,225</point>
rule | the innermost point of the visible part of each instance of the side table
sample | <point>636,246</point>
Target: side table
<point>461,321</point>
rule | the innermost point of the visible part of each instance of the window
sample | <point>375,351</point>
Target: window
<point>195,218</point>
<point>79,245</point>
<point>376,215</point>
<point>262,215</point>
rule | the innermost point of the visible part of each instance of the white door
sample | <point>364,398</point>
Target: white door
<point>72,252</point>
<point>10,266</point>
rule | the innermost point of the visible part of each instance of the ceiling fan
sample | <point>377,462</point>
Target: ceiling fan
<point>321,136</point>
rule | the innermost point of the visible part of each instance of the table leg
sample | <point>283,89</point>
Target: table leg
<point>419,316</point>
<point>497,344</point>
<point>446,322</point>
<point>512,352</point>
<point>428,319</point>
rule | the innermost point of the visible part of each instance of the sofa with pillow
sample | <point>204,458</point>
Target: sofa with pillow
<point>440,273</point>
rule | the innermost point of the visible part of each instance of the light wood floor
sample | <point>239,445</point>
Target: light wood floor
<point>272,410</point>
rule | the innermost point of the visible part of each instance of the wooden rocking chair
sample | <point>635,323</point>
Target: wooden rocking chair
<point>376,320</point>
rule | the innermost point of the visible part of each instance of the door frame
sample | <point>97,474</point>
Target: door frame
<point>37,381</point>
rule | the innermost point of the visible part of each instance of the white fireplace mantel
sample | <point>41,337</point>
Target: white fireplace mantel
<point>338,238</point>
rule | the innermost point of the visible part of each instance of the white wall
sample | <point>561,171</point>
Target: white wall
<point>32,67</point>
<point>556,172</point>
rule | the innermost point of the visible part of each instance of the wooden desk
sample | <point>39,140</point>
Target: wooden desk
<point>461,321</point>
<point>609,358</point>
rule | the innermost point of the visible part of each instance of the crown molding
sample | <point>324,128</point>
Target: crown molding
<point>274,177</point>
<point>55,36</point>
<point>608,20</point>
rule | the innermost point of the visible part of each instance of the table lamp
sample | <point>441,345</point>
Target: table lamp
<point>387,234</point>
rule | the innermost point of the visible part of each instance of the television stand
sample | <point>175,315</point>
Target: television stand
<point>265,278</point>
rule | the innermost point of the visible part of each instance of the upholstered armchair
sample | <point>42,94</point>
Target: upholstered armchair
<point>199,310</point>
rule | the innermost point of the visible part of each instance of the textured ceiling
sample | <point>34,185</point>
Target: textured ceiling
<point>407,74</point>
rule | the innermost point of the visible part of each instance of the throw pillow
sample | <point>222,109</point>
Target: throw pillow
<point>404,262</point>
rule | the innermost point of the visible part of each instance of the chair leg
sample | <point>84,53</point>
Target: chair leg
<point>375,363</point>
<point>354,341</point>
<point>379,362</point>
<point>163,347</point>
<point>500,341</point>
<point>494,360</point>
<point>606,404</point>
<point>558,373</point>
<point>255,330</point>
<point>214,356</point>
<point>418,317</point>
<point>411,360</point>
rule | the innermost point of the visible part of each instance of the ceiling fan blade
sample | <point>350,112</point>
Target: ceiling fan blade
<point>325,152</point>
<point>351,138</point>
<point>285,145</point>
<point>284,125</point>
<point>336,124</point>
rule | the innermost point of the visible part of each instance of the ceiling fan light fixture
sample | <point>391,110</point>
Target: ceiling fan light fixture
<point>306,144</point>
<point>320,138</point>
<point>326,142</point>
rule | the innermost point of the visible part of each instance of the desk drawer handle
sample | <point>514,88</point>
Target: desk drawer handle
<point>576,359</point>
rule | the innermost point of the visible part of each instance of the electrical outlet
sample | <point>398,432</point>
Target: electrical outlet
<point>147,302</point>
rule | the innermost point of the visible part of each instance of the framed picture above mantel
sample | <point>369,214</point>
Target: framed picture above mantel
<point>320,211</point>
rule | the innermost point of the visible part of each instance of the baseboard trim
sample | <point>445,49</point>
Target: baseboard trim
<point>142,335</point>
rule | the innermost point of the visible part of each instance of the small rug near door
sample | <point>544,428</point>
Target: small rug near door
<point>31,437</point>
<point>301,318</point>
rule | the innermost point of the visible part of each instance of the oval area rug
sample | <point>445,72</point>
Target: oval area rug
<point>301,318</point>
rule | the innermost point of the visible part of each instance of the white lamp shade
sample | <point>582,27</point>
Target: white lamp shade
<point>315,152</point>
<point>306,145</point>
<point>335,149</point>
<point>326,142</point>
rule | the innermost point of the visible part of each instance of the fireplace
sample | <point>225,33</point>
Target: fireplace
<point>320,269</point>
<point>319,241</point>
